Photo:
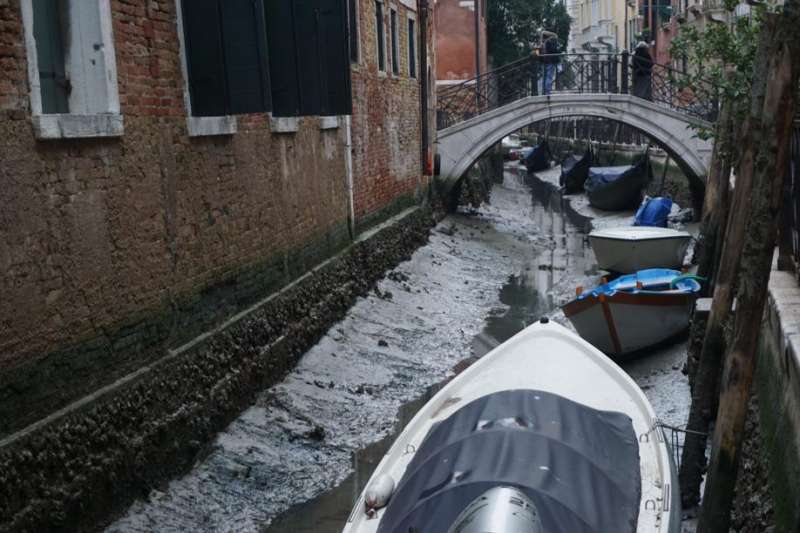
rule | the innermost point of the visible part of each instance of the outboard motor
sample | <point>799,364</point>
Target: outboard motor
<point>499,510</point>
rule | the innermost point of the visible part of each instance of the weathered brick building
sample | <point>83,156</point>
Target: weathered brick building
<point>167,165</point>
<point>461,40</point>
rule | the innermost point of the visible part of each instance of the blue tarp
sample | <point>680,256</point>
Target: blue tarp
<point>653,212</point>
<point>652,280</point>
<point>605,175</point>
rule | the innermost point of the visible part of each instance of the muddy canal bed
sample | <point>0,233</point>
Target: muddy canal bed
<point>297,459</point>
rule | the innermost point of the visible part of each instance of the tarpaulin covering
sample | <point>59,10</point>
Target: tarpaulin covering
<point>653,212</point>
<point>538,158</point>
<point>618,188</point>
<point>649,280</point>
<point>579,466</point>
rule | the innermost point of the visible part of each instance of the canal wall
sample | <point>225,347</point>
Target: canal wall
<point>76,467</point>
<point>777,385</point>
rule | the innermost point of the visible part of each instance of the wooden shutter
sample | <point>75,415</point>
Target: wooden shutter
<point>283,60</point>
<point>245,52</point>
<point>204,57</point>
<point>50,56</point>
<point>308,46</point>
<point>336,100</point>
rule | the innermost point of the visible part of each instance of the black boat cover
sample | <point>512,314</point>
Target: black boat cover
<point>574,171</point>
<point>618,188</point>
<point>539,158</point>
<point>579,466</point>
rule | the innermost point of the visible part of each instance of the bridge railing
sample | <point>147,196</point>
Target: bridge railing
<point>573,73</point>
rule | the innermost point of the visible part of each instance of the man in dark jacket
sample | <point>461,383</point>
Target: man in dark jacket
<point>642,72</point>
<point>550,58</point>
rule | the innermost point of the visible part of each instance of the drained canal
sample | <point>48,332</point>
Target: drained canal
<point>297,459</point>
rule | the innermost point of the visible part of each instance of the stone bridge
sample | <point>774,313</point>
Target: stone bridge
<point>475,116</point>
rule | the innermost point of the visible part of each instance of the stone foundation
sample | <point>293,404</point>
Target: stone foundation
<point>74,469</point>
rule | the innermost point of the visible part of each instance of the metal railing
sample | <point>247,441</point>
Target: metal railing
<point>573,73</point>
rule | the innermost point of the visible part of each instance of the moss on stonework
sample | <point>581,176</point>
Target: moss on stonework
<point>397,205</point>
<point>91,462</point>
<point>778,434</point>
<point>36,388</point>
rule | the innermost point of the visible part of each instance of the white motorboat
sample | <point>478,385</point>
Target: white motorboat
<point>631,248</point>
<point>544,433</point>
<point>635,311</point>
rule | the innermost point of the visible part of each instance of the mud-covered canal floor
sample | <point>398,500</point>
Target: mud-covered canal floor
<point>482,277</point>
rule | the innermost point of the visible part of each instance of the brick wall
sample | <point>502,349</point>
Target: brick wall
<point>455,40</point>
<point>387,168</point>
<point>113,250</point>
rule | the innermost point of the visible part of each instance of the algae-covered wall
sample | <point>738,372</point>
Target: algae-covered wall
<point>778,388</point>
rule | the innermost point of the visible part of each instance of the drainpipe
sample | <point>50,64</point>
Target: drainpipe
<point>348,167</point>
<point>423,82</point>
<point>477,42</point>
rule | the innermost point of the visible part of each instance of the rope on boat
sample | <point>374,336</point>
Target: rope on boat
<point>675,446</point>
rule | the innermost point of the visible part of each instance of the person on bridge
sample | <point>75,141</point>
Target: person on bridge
<point>550,58</point>
<point>642,72</point>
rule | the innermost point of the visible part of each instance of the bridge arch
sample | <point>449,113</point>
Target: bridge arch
<point>459,146</point>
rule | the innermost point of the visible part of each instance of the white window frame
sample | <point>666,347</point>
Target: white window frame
<point>386,57</point>
<point>394,41</point>
<point>199,126</point>
<point>109,122</point>
<point>412,16</point>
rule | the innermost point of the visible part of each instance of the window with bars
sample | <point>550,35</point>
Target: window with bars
<point>394,38</point>
<point>352,18</point>
<point>380,35</point>
<point>412,48</point>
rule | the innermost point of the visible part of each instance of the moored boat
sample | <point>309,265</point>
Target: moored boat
<point>618,188</point>
<point>635,311</point>
<point>544,431</point>
<point>628,249</point>
<point>574,171</point>
<point>538,158</point>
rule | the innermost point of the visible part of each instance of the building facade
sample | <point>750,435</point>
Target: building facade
<point>461,40</point>
<point>601,25</point>
<point>166,165</point>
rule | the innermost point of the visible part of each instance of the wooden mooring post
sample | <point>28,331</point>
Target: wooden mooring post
<point>767,132</point>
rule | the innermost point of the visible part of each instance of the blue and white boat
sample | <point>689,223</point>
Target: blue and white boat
<point>634,312</point>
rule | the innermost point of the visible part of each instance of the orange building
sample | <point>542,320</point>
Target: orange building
<point>461,51</point>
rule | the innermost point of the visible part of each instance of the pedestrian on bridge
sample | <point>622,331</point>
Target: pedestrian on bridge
<point>642,72</point>
<point>550,57</point>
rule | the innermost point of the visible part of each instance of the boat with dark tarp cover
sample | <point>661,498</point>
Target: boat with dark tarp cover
<point>538,158</point>
<point>543,434</point>
<point>618,188</point>
<point>574,171</point>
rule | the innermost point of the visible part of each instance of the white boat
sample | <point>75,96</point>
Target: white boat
<point>631,248</point>
<point>635,311</point>
<point>544,433</point>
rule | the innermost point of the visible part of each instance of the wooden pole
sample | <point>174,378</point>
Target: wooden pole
<point>704,390</point>
<point>767,133</point>
<point>715,201</point>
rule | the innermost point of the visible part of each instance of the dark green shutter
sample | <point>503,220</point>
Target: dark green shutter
<point>50,56</point>
<point>283,59</point>
<point>308,45</point>
<point>333,35</point>
<point>412,49</point>
<point>245,53</point>
<point>204,58</point>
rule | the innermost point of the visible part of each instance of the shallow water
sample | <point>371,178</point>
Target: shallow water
<point>297,460</point>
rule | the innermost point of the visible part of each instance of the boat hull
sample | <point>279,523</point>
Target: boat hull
<point>627,255</point>
<point>624,323</point>
<point>574,172</point>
